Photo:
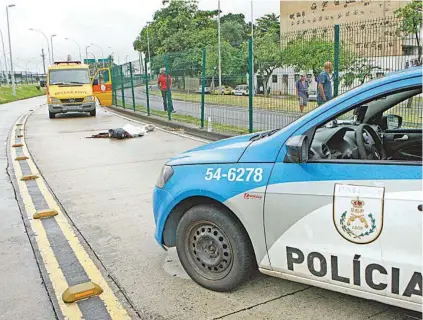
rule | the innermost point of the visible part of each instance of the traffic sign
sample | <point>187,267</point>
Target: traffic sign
<point>89,61</point>
<point>107,60</point>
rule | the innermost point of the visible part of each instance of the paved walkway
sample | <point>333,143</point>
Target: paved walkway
<point>22,291</point>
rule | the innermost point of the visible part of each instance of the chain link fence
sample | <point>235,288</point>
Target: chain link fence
<point>237,103</point>
<point>21,78</point>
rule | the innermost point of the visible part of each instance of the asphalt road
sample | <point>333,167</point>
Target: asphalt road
<point>105,187</point>
<point>227,115</point>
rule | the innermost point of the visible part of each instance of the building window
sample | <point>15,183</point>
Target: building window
<point>274,78</point>
<point>407,50</point>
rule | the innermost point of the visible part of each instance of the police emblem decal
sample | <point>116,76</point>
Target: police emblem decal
<point>358,212</point>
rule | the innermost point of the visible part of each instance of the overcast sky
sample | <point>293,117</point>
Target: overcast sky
<point>112,25</point>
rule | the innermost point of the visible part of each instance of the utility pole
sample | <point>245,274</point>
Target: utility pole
<point>148,47</point>
<point>4,55</point>
<point>44,60</point>
<point>10,49</point>
<point>52,52</point>
<point>141,63</point>
<point>218,45</point>
<point>252,49</point>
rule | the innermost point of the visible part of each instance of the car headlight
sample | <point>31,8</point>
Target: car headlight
<point>165,175</point>
<point>89,99</point>
<point>53,100</point>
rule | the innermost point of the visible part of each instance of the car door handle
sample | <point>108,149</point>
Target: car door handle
<point>420,207</point>
<point>402,138</point>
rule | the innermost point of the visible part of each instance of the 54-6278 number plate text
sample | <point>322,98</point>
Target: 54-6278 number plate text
<point>235,174</point>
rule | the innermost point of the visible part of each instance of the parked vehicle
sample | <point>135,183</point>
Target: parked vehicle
<point>241,90</point>
<point>329,203</point>
<point>70,89</point>
<point>207,90</point>
<point>312,96</point>
<point>223,90</point>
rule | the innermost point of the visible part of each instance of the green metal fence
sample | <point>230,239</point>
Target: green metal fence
<point>237,102</point>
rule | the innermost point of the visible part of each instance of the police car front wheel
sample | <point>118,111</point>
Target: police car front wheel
<point>214,248</point>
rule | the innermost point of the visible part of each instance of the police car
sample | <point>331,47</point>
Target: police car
<point>333,200</point>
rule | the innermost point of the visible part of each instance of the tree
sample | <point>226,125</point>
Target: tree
<point>269,23</point>
<point>233,62</point>
<point>178,27</point>
<point>360,70</point>
<point>267,55</point>
<point>233,32</point>
<point>411,14</point>
<point>310,54</point>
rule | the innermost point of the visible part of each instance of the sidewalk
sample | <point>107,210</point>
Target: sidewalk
<point>22,291</point>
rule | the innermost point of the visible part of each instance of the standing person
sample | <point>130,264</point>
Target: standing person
<point>302,91</point>
<point>324,84</point>
<point>164,87</point>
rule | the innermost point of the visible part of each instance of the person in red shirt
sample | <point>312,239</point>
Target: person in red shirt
<point>164,87</point>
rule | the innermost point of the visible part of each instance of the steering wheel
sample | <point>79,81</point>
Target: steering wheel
<point>370,150</point>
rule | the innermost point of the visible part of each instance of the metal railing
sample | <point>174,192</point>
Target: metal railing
<point>359,52</point>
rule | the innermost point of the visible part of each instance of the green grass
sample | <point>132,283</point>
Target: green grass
<point>189,119</point>
<point>192,120</point>
<point>22,92</point>
<point>287,103</point>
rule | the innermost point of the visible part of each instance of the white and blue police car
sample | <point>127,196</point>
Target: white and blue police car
<point>333,200</point>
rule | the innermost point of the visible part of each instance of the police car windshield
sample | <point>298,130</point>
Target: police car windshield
<point>69,76</point>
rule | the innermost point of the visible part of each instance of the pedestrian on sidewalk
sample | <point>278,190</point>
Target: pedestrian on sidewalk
<point>302,91</point>
<point>164,86</point>
<point>324,84</point>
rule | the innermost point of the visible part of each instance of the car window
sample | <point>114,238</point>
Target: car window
<point>410,111</point>
<point>362,132</point>
<point>66,76</point>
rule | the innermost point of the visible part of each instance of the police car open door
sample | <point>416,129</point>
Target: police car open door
<point>343,223</point>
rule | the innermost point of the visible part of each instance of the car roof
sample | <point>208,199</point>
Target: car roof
<point>70,65</point>
<point>409,71</point>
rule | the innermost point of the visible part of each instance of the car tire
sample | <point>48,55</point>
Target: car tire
<point>214,248</point>
<point>51,115</point>
<point>93,113</point>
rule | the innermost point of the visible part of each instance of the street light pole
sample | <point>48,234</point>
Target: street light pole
<point>10,49</point>
<point>218,44</point>
<point>52,52</point>
<point>79,47</point>
<point>148,46</point>
<point>48,44</point>
<point>4,55</point>
<point>86,52</point>
<point>102,53</point>
<point>116,53</point>
<point>252,50</point>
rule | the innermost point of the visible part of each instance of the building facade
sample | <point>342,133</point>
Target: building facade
<point>368,30</point>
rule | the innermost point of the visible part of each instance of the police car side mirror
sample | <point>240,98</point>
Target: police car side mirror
<point>297,149</point>
<point>391,122</point>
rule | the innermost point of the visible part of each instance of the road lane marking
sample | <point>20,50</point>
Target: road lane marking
<point>112,304</point>
<point>58,281</point>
